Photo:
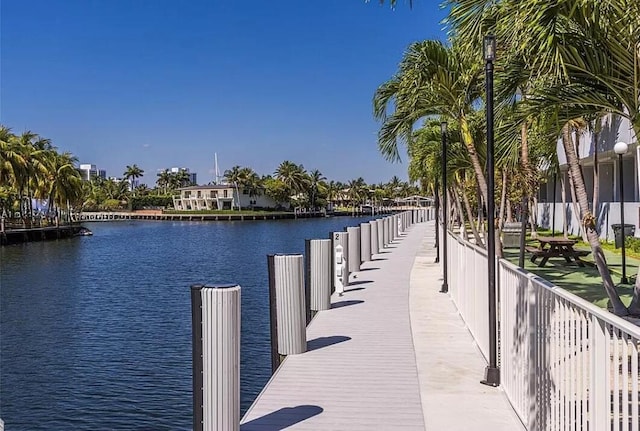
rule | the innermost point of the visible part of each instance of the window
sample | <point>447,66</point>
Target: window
<point>225,193</point>
<point>199,194</point>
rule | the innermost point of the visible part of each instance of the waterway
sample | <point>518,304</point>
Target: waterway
<point>95,332</point>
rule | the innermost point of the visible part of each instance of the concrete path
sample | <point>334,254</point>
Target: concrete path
<point>450,365</point>
<point>360,372</point>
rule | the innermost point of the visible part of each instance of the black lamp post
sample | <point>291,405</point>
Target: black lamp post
<point>443,160</point>
<point>621,148</point>
<point>492,372</point>
<point>437,199</point>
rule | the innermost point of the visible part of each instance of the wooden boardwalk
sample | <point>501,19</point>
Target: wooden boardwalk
<point>359,372</point>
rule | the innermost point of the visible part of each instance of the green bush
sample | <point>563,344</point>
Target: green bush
<point>632,244</point>
<point>150,202</point>
<point>111,205</point>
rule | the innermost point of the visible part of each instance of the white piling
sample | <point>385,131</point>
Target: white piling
<point>288,279</point>
<point>365,242</point>
<point>216,357</point>
<point>319,273</point>
<point>354,249</point>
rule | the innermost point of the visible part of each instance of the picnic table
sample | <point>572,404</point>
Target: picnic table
<point>556,247</point>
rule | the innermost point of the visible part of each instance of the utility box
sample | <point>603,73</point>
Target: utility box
<point>629,230</point>
<point>511,235</point>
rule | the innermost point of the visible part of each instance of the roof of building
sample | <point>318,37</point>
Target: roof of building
<point>208,187</point>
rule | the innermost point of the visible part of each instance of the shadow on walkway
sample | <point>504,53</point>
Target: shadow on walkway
<point>282,419</point>
<point>320,342</point>
<point>347,303</point>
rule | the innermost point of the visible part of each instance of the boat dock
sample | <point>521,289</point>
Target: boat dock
<point>20,235</point>
<point>108,216</point>
<point>391,354</point>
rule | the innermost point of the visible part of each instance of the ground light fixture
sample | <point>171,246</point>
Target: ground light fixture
<point>492,372</point>
<point>621,149</point>
<point>443,161</point>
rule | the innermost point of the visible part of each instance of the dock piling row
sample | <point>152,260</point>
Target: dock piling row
<point>299,287</point>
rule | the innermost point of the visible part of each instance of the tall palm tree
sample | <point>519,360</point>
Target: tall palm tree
<point>131,174</point>
<point>12,162</point>
<point>432,80</point>
<point>164,180</point>
<point>293,176</point>
<point>65,183</point>
<point>315,182</point>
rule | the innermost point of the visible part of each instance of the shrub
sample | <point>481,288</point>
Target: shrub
<point>150,202</point>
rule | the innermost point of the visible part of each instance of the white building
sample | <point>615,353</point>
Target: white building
<point>607,212</point>
<point>218,197</point>
<point>88,171</point>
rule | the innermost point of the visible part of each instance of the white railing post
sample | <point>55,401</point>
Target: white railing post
<point>600,391</point>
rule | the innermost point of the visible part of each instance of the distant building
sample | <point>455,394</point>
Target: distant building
<point>89,171</point>
<point>218,197</point>
<point>193,177</point>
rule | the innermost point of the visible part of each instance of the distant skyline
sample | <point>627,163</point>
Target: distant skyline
<point>164,84</point>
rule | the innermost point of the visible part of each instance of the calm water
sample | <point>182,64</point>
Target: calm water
<point>96,331</point>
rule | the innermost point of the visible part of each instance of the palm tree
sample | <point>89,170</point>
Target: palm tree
<point>65,183</point>
<point>315,182</point>
<point>432,80</point>
<point>293,176</point>
<point>12,162</point>
<point>582,58</point>
<point>131,174</point>
<point>164,180</point>
<point>355,193</point>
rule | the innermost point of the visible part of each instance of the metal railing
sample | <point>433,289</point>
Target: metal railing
<point>565,363</point>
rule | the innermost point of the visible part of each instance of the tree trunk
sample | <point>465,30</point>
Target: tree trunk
<point>574,203</point>
<point>474,229</point>
<point>509,211</point>
<point>596,176</point>
<point>589,224</point>
<point>533,216</point>
<point>481,228</point>
<point>563,194</point>
<point>478,169</point>
<point>456,198</point>
<point>503,200</point>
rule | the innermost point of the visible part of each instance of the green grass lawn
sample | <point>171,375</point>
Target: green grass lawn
<point>584,282</point>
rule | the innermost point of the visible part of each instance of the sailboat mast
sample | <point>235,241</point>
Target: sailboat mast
<point>217,173</point>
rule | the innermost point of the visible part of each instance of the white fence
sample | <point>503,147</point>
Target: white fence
<point>467,280</point>
<point>565,363</point>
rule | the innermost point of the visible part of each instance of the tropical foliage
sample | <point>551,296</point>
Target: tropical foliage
<point>32,169</point>
<point>561,66</point>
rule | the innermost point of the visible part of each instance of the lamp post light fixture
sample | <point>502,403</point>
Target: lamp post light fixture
<point>443,161</point>
<point>620,149</point>
<point>492,372</point>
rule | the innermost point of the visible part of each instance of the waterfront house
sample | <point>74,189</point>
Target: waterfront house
<point>219,197</point>
<point>596,149</point>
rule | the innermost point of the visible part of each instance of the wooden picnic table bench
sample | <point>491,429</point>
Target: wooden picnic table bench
<point>556,247</point>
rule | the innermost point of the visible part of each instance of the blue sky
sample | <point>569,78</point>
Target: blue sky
<point>164,83</point>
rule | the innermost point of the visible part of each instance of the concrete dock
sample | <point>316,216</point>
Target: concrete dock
<point>391,354</point>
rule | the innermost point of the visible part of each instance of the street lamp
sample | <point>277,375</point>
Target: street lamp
<point>443,161</point>
<point>492,372</point>
<point>620,149</point>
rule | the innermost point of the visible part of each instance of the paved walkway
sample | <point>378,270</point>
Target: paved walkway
<point>450,366</point>
<point>360,372</point>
